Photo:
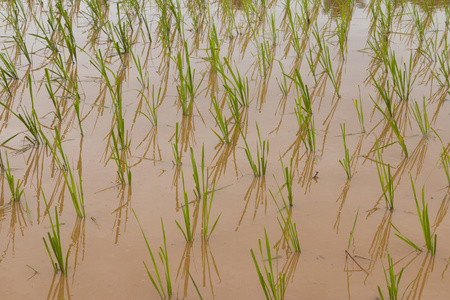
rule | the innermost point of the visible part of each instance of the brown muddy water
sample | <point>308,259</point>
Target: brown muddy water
<point>344,225</point>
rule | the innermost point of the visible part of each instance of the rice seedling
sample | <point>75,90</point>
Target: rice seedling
<point>152,108</point>
<point>143,76</point>
<point>55,102</point>
<point>206,213</point>
<point>20,42</point>
<point>75,190</point>
<point>392,282</point>
<point>54,239</point>
<point>187,88</point>
<point>197,190</point>
<point>213,49</point>
<point>121,160</point>
<point>287,226</point>
<point>31,121</point>
<point>307,131</point>
<point>164,24</point>
<point>304,99</point>
<point>343,24</point>
<point>66,30</point>
<point>123,31</point>
<point>273,29</point>
<point>311,64</point>
<point>288,173</point>
<point>345,162</point>
<point>359,110</point>
<point>421,118</point>
<point>405,239</point>
<point>444,68</point>
<point>294,39</point>
<point>274,282</point>
<point>385,94</point>
<point>236,86</point>
<point>386,179</point>
<point>262,151</point>
<point>430,238</point>
<point>5,83</point>
<point>402,79</point>
<point>61,159</point>
<point>175,9</point>
<point>164,292</point>
<point>176,152</point>
<point>326,62</point>
<point>445,160</point>
<point>94,13</point>
<point>393,124</point>
<point>14,186</point>
<point>122,134</point>
<point>188,231</point>
<point>9,68</point>
<point>265,57</point>
<point>282,84</point>
<point>221,122</point>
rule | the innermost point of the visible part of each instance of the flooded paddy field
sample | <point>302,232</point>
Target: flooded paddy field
<point>240,149</point>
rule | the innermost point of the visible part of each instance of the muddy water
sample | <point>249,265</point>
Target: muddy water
<point>107,247</point>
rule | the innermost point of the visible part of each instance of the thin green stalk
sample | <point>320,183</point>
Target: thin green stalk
<point>164,257</point>
<point>345,162</point>
<point>54,239</point>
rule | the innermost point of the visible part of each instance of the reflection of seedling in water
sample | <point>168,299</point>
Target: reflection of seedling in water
<point>262,151</point>
<point>274,283</point>
<point>164,257</point>
<point>14,186</point>
<point>353,230</point>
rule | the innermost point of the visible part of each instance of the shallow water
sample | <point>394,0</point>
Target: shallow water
<point>107,247</point>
